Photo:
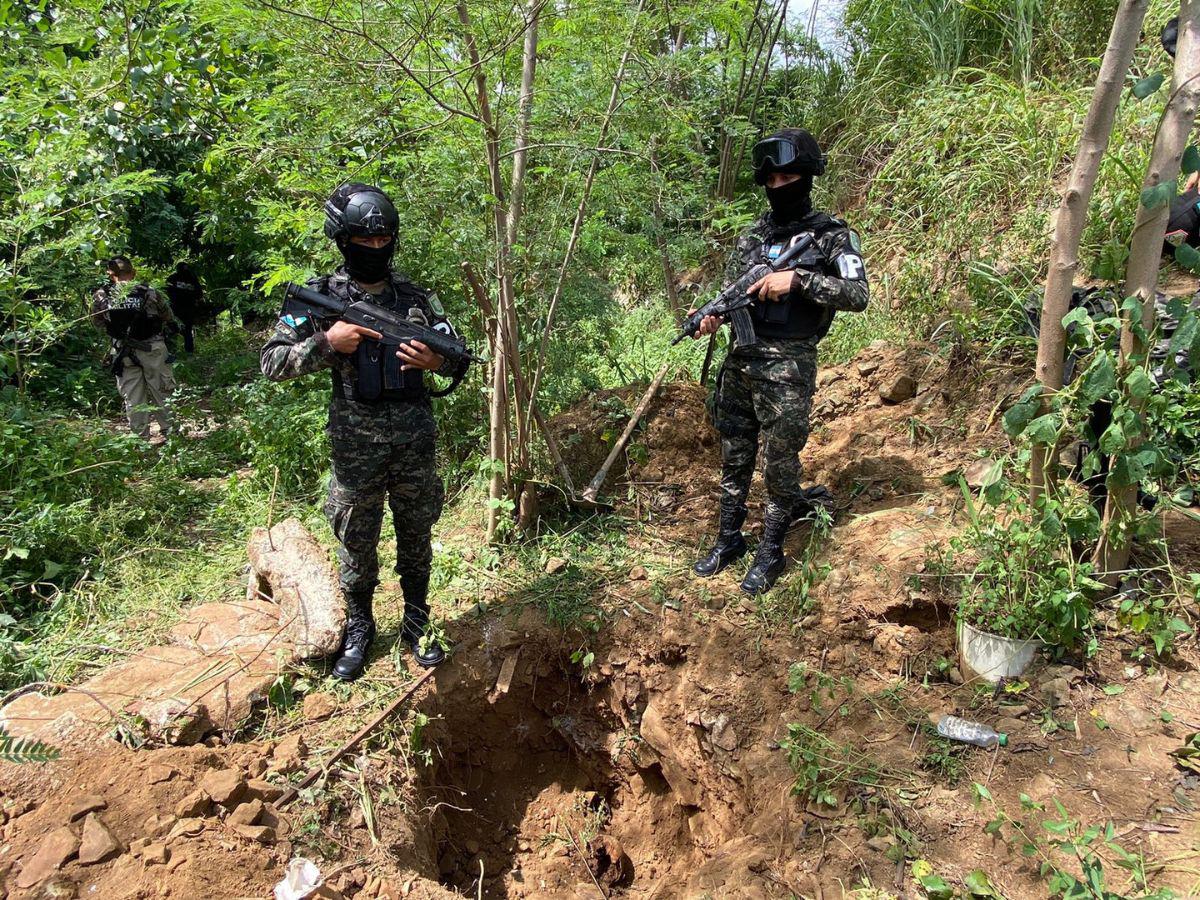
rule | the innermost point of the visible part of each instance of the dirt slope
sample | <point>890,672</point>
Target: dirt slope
<point>665,768</point>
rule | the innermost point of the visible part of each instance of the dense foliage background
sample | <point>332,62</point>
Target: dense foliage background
<point>212,130</point>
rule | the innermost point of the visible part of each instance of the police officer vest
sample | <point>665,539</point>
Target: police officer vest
<point>794,316</point>
<point>127,316</point>
<point>378,376</point>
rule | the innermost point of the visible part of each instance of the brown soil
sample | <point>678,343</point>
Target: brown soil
<point>662,769</point>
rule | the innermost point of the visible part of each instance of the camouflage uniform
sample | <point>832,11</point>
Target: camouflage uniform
<point>380,449</point>
<point>768,387</point>
<point>134,316</point>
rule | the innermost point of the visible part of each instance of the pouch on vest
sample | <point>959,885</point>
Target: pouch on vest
<point>378,374</point>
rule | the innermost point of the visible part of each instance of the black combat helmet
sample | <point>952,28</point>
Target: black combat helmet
<point>792,150</point>
<point>359,210</point>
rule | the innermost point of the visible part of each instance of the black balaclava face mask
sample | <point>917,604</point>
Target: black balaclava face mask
<point>793,201</point>
<point>367,265</point>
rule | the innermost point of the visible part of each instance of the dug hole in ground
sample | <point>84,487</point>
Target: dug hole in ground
<point>712,746</point>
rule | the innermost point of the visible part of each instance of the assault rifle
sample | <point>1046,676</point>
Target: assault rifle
<point>733,301</point>
<point>302,301</point>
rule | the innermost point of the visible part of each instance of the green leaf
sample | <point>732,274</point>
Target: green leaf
<point>1113,439</point>
<point>1191,160</point>
<point>1043,429</point>
<point>1158,195</point>
<point>936,888</point>
<point>1139,384</point>
<point>25,750</point>
<point>1114,689</point>
<point>1144,87</point>
<point>979,884</point>
<point>1100,379</point>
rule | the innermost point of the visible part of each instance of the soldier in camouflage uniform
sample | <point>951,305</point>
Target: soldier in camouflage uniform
<point>382,439</point>
<point>767,388</point>
<point>134,316</point>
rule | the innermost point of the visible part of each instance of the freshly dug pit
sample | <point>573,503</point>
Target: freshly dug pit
<point>542,790</point>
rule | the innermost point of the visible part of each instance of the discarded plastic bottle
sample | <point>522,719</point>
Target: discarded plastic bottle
<point>976,733</point>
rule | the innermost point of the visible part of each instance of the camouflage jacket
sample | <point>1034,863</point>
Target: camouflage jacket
<point>831,276</point>
<point>300,346</point>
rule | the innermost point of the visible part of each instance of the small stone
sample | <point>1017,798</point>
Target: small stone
<point>84,805</point>
<point>319,706</point>
<point>159,824</point>
<point>224,786</point>
<point>138,845</point>
<point>194,805</point>
<point>257,768</point>
<point>954,676</point>
<point>156,854</point>
<point>246,813</point>
<point>1056,691</point>
<point>263,834</point>
<point>979,473</point>
<point>880,843</point>
<point>899,389</point>
<point>1009,726</point>
<point>289,754</point>
<point>638,573</point>
<point>555,565</point>
<point>870,367</point>
<point>159,774</point>
<point>98,843</point>
<point>472,847</point>
<point>59,888</point>
<point>263,790</point>
<point>55,849</point>
<point>1016,710</point>
<point>272,819</point>
<point>1041,788</point>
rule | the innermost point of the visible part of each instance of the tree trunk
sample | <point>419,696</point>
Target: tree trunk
<point>1072,216</point>
<point>1141,273</point>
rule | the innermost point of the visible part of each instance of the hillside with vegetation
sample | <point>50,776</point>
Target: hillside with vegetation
<point>607,724</point>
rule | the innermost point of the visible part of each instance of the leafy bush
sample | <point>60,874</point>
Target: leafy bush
<point>1026,582</point>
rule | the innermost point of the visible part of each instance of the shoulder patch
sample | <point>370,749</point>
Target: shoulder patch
<point>435,304</point>
<point>291,321</point>
<point>855,241</point>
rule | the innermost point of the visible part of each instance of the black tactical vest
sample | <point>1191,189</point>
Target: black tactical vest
<point>127,317</point>
<point>377,373</point>
<point>794,316</point>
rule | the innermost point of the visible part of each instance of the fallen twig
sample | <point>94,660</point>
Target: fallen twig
<point>315,772</point>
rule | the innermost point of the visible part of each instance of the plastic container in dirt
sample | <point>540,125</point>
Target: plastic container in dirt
<point>968,732</point>
<point>990,657</point>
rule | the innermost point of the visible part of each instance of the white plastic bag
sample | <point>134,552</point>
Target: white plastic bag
<point>300,879</point>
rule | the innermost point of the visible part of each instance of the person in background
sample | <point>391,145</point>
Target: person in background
<point>135,317</point>
<point>186,294</point>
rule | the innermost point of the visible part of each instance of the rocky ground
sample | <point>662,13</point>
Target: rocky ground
<point>674,739</point>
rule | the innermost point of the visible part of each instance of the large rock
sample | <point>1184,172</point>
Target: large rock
<point>247,627</point>
<point>899,389</point>
<point>52,854</point>
<point>288,566</point>
<point>98,844</point>
<point>180,692</point>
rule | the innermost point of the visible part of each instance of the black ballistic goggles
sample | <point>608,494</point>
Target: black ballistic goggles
<point>776,152</point>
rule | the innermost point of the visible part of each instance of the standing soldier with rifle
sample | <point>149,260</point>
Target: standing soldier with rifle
<point>134,316</point>
<point>381,426</point>
<point>767,382</point>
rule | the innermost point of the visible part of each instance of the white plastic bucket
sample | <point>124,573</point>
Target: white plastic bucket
<point>991,657</point>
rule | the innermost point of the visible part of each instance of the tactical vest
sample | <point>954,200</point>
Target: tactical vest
<point>794,316</point>
<point>377,369</point>
<point>127,316</point>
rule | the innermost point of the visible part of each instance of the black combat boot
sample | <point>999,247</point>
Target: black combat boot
<point>360,631</point>
<point>768,561</point>
<point>416,618</point>
<point>730,545</point>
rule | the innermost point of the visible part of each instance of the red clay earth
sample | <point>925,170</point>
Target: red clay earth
<point>661,770</point>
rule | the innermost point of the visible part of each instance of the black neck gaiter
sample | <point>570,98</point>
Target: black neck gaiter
<point>368,265</point>
<point>792,202</point>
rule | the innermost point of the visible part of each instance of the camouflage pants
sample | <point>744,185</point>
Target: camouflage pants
<point>771,396</point>
<point>364,475</point>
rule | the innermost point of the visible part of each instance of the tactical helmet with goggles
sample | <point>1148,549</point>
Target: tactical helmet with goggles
<point>792,151</point>
<point>359,210</point>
